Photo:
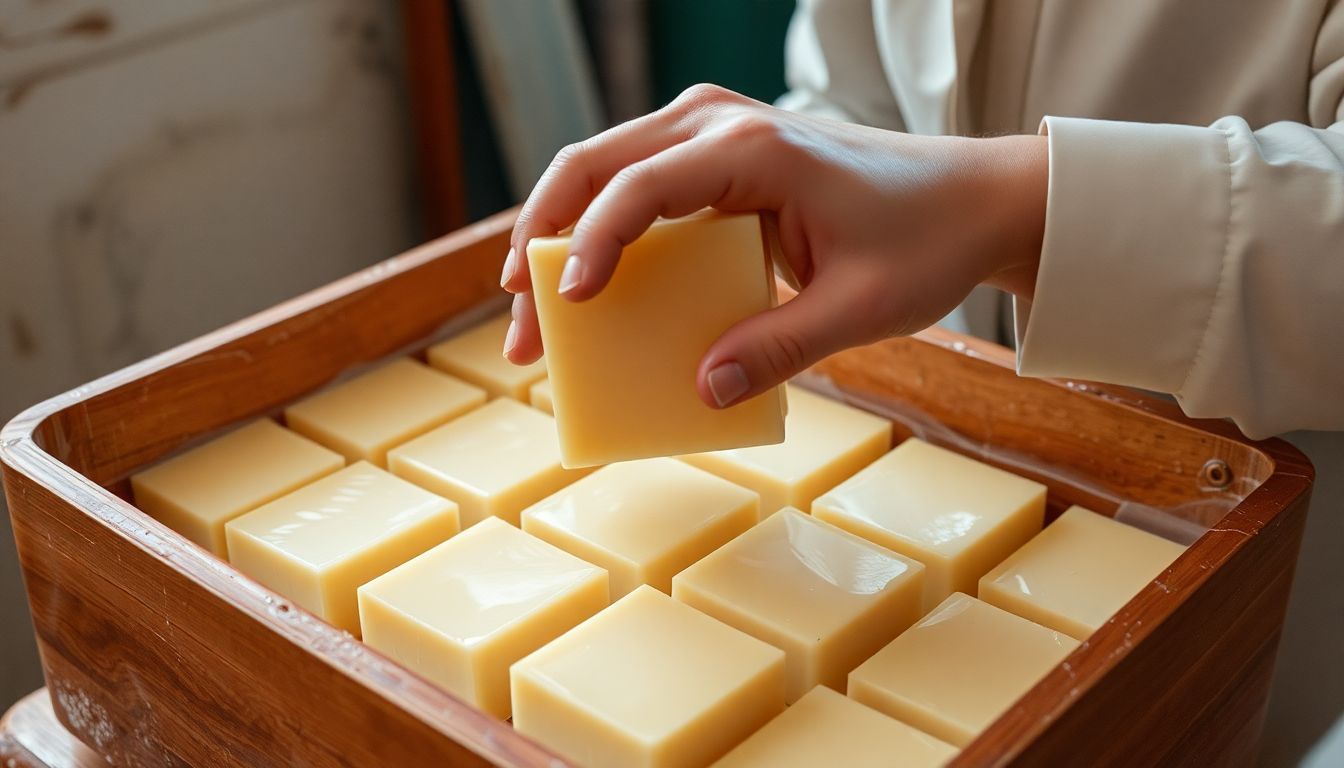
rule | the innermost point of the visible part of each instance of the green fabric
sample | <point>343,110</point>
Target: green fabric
<point>738,44</point>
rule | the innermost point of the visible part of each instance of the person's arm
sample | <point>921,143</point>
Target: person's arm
<point>886,231</point>
<point>1203,262</point>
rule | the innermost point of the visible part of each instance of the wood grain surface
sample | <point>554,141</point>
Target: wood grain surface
<point>431,77</point>
<point>157,653</point>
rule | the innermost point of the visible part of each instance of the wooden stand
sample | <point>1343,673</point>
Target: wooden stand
<point>31,737</point>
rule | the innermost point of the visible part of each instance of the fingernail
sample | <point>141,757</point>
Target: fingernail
<point>510,266</point>
<point>510,338</point>
<point>727,382</point>
<point>570,275</point>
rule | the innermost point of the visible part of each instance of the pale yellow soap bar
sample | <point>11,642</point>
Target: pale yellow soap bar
<point>623,364</point>
<point>317,545</point>
<point>540,396</point>
<point>1078,572</point>
<point>959,668</point>
<point>826,597</point>
<point>477,355</point>
<point>365,416</point>
<point>827,729</point>
<point>957,516</point>
<point>462,613</point>
<point>647,682</point>
<point>825,442</point>
<point>197,492</point>
<point>644,521</point>
<point>495,461</point>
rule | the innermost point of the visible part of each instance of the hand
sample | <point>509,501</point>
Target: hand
<point>886,232</point>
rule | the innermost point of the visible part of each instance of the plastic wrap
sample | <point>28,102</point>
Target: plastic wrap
<point>1183,524</point>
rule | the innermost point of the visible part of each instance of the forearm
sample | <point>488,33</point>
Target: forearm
<point>1013,175</point>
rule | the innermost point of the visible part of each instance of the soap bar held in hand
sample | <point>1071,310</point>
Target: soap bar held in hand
<point>623,364</point>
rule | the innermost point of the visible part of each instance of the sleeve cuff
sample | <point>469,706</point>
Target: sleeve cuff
<point>1136,224</point>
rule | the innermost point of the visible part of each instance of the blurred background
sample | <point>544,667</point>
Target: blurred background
<point>169,167</point>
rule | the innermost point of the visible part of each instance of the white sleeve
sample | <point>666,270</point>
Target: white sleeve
<point>832,66</point>
<point>1203,262</point>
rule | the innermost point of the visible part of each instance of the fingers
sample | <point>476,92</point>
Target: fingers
<point>581,170</point>
<point>522,343</point>
<point>767,349</point>
<point>715,169</point>
<point>570,182</point>
<point>575,176</point>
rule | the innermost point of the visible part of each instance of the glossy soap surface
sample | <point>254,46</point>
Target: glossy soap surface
<point>494,461</point>
<point>647,682</point>
<point>623,364</point>
<point>197,492</point>
<point>826,728</point>
<point>318,544</point>
<point>957,669</point>
<point>365,416</point>
<point>463,612</point>
<point>1078,572</point>
<point>644,521</point>
<point>825,442</point>
<point>829,599</point>
<point>955,515</point>
<point>477,355</point>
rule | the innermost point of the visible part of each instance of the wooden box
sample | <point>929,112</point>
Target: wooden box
<point>158,654</point>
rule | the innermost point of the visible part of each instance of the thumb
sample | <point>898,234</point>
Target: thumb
<point>768,348</point>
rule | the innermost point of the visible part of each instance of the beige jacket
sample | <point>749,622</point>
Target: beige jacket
<point>1194,237</point>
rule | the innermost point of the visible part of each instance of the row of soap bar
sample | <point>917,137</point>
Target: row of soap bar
<point>197,492</point>
<point>650,681</point>
<point>795,582</point>
<point>646,682</point>
<point>365,417</point>
<point>842,610</point>
<point>318,544</point>
<point>624,520</point>
<point>398,417</point>
<point>824,597</point>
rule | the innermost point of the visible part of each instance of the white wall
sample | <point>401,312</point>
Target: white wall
<point>169,166</point>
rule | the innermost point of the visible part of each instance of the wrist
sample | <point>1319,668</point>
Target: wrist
<point>1014,181</point>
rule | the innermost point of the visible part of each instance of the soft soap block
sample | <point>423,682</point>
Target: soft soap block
<point>540,396</point>
<point>825,442</point>
<point>623,364</point>
<point>477,355</point>
<point>195,493</point>
<point>1078,572</point>
<point>957,516</point>
<point>365,416</point>
<point>827,598</point>
<point>644,521</point>
<point>317,545</point>
<point>958,668</point>
<point>826,728</point>
<point>647,682</point>
<point>462,613</point>
<point>494,461</point>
